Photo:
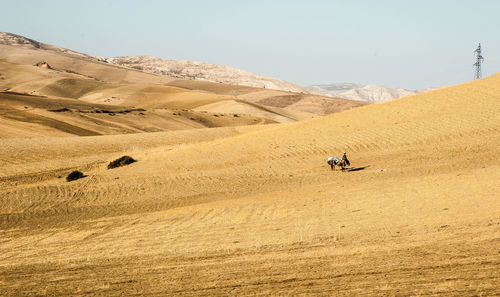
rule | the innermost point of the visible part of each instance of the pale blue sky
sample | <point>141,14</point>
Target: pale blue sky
<point>409,44</point>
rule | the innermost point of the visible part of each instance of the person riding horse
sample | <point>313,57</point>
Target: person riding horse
<point>334,161</point>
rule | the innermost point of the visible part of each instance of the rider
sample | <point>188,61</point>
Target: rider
<point>344,158</point>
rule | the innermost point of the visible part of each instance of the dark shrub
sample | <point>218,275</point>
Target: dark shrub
<point>74,175</point>
<point>125,160</point>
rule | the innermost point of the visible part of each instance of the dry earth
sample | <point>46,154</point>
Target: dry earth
<point>78,97</point>
<point>255,210</point>
<point>204,71</point>
<point>212,104</point>
<point>25,116</point>
<point>96,79</point>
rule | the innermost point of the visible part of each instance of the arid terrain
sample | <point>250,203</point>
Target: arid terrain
<point>92,90</point>
<point>224,205</point>
<point>204,71</point>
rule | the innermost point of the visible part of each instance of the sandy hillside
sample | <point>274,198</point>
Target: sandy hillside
<point>255,210</point>
<point>28,116</point>
<point>169,68</point>
<point>95,99</point>
<point>39,102</point>
<point>103,82</point>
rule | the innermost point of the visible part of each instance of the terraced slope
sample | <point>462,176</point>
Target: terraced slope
<point>256,210</point>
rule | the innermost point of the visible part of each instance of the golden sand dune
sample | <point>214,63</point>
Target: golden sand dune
<point>257,211</point>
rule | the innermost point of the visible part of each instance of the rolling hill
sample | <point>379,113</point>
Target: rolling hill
<point>52,102</point>
<point>172,68</point>
<point>34,68</point>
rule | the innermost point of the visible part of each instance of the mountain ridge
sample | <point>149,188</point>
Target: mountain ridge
<point>195,70</point>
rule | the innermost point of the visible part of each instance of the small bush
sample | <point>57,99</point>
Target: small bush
<point>125,160</point>
<point>74,175</point>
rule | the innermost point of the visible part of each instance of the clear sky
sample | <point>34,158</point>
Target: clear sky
<point>408,44</point>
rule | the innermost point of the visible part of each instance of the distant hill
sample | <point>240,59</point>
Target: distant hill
<point>204,71</point>
<point>174,68</point>
<point>60,92</point>
<point>367,93</point>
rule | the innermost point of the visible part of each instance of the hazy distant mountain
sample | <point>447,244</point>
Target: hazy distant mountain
<point>204,71</point>
<point>368,93</point>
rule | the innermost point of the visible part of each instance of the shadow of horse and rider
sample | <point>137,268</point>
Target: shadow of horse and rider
<point>343,163</point>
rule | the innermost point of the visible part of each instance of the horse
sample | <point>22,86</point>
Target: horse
<point>341,163</point>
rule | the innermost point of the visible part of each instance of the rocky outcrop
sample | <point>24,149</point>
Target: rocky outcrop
<point>204,71</point>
